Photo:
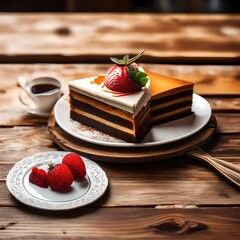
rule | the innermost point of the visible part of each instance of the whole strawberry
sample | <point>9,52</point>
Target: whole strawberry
<point>60,177</point>
<point>124,75</point>
<point>38,177</point>
<point>76,165</point>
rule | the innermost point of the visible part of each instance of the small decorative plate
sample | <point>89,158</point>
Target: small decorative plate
<point>82,192</point>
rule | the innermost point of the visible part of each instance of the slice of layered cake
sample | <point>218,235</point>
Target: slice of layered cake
<point>127,101</point>
<point>171,98</point>
<point>114,104</point>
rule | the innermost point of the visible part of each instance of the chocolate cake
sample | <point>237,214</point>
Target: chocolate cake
<point>127,101</point>
<point>124,116</point>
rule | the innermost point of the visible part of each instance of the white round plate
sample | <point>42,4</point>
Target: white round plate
<point>29,106</point>
<point>81,193</point>
<point>160,134</point>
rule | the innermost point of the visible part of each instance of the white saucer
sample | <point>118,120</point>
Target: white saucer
<point>81,193</point>
<point>29,106</point>
<point>158,135</point>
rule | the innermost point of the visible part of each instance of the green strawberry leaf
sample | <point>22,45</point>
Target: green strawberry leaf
<point>51,166</point>
<point>131,60</point>
<point>138,77</point>
<point>117,61</point>
<point>126,60</point>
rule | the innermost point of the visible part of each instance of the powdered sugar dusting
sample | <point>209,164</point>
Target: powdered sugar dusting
<point>91,133</point>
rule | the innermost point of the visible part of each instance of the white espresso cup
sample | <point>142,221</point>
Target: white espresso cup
<point>43,91</point>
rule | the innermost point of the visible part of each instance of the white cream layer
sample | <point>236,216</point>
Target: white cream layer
<point>132,103</point>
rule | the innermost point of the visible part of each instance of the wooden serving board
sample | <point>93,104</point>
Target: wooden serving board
<point>130,154</point>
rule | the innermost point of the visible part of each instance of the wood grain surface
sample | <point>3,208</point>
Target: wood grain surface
<point>179,198</point>
<point>121,223</point>
<point>81,37</point>
<point>36,139</point>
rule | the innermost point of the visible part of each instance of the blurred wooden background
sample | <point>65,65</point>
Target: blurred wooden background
<point>165,6</point>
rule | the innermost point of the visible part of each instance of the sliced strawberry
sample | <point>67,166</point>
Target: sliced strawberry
<point>75,164</point>
<point>38,177</point>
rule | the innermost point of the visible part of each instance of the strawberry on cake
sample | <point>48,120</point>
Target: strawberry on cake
<point>117,103</point>
<point>127,101</point>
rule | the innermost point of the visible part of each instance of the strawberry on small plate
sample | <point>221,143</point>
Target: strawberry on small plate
<point>80,193</point>
<point>75,164</point>
<point>59,176</point>
<point>39,177</point>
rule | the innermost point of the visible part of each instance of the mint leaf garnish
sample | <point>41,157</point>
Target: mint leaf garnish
<point>138,77</point>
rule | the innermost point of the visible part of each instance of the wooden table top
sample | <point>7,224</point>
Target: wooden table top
<point>177,198</point>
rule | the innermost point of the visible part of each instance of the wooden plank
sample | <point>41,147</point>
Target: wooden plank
<point>192,169</point>
<point>37,139</point>
<point>121,223</point>
<point>147,192</point>
<point>228,122</point>
<point>223,104</point>
<point>84,37</point>
<point>208,79</point>
<point>224,80</point>
<point>227,145</point>
<point>19,142</point>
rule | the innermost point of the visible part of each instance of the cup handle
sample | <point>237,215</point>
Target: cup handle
<point>22,83</point>
<point>22,101</point>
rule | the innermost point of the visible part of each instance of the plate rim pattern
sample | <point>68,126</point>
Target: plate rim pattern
<point>98,183</point>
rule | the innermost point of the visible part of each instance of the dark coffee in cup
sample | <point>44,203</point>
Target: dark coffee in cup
<point>42,88</point>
